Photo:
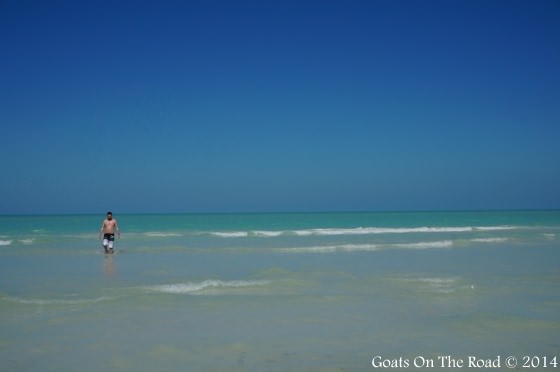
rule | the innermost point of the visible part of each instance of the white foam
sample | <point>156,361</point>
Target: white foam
<point>156,234</point>
<point>440,285</point>
<point>244,234</point>
<point>39,301</point>
<point>359,247</point>
<point>317,249</point>
<point>425,245</point>
<point>6,242</point>
<point>332,248</point>
<point>494,228</point>
<point>397,230</point>
<point>438,282</point>
<point>233,234</point>
<point>26,241</point>
<point>381,230</point>
<point>358,231</point>
<point>367,247</point>
<point>193,288</point>
<point>268,234</point>
<point>490,240</point>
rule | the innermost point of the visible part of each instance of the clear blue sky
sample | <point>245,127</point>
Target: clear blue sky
<point>208,106</point>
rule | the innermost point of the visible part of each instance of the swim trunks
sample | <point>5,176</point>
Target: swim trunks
<point>108,240</point>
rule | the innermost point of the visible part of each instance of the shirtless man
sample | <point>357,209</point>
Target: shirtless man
<point>108,228</point>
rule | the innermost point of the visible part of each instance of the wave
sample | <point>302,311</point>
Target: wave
<point>398,230</point>
<point>441,285</point>
<point>380,230</point>
<point>332,248</point>
<point>367,247</point>
<point>359,231</point>
<point>268,234</point>
<point>490,240</point>
<point>26,241</point>
<point>197,288</point>
<point>156,234</point>
<point>495,228</point>
<point>51,301</point>
<point>233,234</point>
<point>425,245</point>
<point>244,234</point>
<point>192,288</point>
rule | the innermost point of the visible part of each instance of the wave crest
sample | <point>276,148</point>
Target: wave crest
<point>54,301</point>
<point>194,288</point>
<point>157,234</point>
<point>358,231</point>
<point>367,247</point>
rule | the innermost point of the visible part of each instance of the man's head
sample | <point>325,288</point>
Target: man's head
<point>109,215</point>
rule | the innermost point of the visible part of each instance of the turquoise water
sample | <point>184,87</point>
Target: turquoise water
<point>277,292</point>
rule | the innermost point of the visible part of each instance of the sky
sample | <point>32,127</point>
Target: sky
<point>276,106</point>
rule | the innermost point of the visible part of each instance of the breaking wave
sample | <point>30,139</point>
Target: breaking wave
<point>54,301</point>
<point>197,288</point>
<point>332,248</point>
<point>157,234</point>
<point>446,285</point>
<point>367,247</point>
<point>490,240</point>
<point>425,245</point>
<point>358,231</point>
<point>234,234</point>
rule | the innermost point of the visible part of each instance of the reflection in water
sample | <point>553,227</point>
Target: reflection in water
<point>109,266</point>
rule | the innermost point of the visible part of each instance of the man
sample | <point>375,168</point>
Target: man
<point>109,227</point>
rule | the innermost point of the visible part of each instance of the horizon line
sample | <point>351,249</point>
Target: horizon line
<point>285,212</point>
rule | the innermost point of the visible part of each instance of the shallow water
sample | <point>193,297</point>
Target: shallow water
<point>276,292</point>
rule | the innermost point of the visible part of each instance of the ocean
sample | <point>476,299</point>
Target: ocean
<point>281,292</point>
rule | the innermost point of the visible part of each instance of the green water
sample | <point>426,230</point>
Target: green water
<point>277,292</point>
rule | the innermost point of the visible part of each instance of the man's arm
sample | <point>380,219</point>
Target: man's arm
<point>101,230</point>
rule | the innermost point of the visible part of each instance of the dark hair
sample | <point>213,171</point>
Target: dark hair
<point>110,213</point>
